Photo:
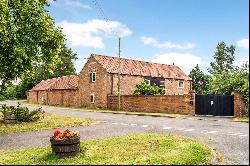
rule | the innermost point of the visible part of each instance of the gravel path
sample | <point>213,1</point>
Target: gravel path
<point>229,138</point>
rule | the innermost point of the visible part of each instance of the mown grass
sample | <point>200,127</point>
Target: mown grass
<point>147,148</point>
<point>112,111</point>
<point>49,121</point>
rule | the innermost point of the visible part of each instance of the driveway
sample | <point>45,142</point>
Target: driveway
<point>229,138</point>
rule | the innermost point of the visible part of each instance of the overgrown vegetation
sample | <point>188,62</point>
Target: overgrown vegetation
<point>223,77</point>
<point>140,149</point>
<point>145,89</point>
<point>22,114</point>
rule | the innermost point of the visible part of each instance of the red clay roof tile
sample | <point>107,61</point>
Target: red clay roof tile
<point>140,68</point>
<point>65,82</point>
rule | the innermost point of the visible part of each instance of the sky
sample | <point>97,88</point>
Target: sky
<point>183,32</point>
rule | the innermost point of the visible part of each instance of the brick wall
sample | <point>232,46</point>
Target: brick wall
<point>32,97</point>
<point>42,97</point>
<point>239,105</point>
<point>55,97</point>
<point>128,84</point>
<point>70,98</point>
<point>98,88</point>
<point>63,97</point>
<point>172,88</point>
<point>162,104</point>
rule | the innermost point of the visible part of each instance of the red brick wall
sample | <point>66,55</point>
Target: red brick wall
<point>239,105</point>
<point>55,97</point>
<point>70,97</point>
<point>32,97</point>
<point>128,84</point>
<point>98,88</point>
<point>172,88</point>
<point>162,104</point>
<point>63,97</point>
<point>42,95</point>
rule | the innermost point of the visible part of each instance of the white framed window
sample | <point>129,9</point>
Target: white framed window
<point>92,98</point>
<point>92,76</point>
<point>180,84</point>
<point>147,81</point>
<point>162,83</point>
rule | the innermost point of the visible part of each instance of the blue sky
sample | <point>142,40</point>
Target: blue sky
<point>184,32</point>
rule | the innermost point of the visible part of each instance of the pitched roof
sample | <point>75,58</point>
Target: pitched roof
<point>65,82</point>
<point>140,68</point>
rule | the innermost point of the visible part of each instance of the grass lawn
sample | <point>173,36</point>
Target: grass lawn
<point>147,148</point>
<point>49,121</point>
<point>112,111</point>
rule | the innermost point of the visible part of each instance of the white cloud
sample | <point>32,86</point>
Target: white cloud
<point>76,3</point>
<point>185,61</point>
<point>152,41</point>
<point>241,61</point>
<point>91,33</point>
<point>243,43</point>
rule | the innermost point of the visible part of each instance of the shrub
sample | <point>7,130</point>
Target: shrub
<point>144,89</point>
<point>23,114</point>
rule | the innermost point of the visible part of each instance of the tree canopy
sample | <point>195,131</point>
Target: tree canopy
<point>28,35</point>
<point>224,57</point>
<point>200,81</point>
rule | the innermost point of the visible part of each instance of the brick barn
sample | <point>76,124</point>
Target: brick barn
<point>99,77</point>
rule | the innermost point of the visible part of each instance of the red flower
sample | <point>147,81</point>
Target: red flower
<point>57,132</point>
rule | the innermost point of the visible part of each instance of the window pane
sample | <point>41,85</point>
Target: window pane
<point>92,99</point>
<point>93,77</point>
<point>147,81</point>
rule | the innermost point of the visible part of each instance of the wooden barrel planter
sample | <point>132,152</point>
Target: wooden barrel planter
<point>66,147</point>
<point>10,117</point>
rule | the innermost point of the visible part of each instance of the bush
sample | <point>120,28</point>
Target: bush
<point>145,89</point>
<point>23,114</point>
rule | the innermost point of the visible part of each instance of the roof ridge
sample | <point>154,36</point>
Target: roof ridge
<point>129,59</point>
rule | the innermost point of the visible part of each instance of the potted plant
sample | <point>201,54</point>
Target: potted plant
<point>65,144</point>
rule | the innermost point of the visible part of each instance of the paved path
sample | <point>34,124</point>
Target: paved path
<point>230,138</point>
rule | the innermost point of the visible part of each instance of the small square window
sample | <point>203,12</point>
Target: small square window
<point>181,84</point>
<point>92,98</point>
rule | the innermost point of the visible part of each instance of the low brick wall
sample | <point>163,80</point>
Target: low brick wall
<point>179,104</point>
<point>239,105</point>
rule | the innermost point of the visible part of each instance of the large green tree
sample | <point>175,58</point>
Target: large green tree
<point>200,81</point>
<point>224,57</point>
<point>41,72</point>
<point>28,35</point>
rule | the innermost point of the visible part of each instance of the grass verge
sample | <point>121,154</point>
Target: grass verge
<point>241,119</point>
<point>147,148</point>
<point>49,121</point>
<point>115,112</point>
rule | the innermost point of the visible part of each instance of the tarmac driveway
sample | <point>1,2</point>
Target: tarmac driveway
<point>229,138</point>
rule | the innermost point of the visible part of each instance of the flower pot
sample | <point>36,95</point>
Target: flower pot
<point>10,117</point>
<point>67,147</point>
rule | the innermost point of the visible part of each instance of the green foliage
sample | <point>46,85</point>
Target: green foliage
<point>237,80</point>
<point>9,92</point>
<point>224,57</point>
<point>28,35</point>
<point>23,114</point>
<point>144,89</point>
<point>200,81</point>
